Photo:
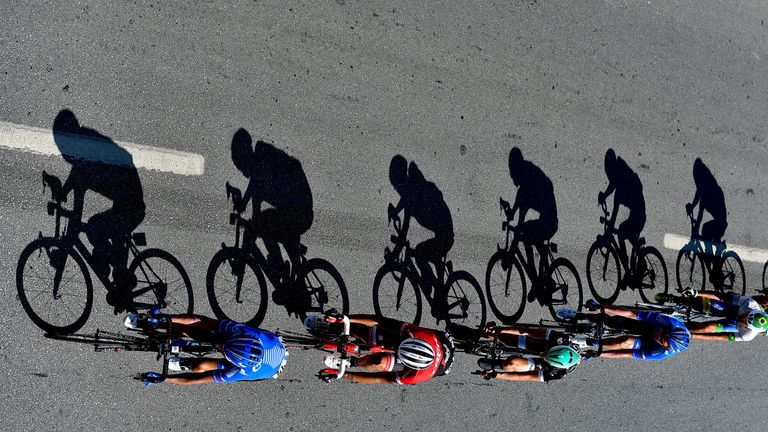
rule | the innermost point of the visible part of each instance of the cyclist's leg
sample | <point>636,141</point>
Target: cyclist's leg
<point>195,327</point>
<point>619,343</point>
<point>378,362</point>
<point>431,252</point>
<point>526,343</point>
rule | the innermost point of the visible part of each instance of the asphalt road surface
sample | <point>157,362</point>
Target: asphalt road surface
<point>343,86</point>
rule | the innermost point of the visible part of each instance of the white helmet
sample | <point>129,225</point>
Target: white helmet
<point>416,353</point>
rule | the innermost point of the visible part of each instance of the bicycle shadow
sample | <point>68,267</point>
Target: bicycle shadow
<point>619,258</point>
<point>525,269</point>
<point>705,259</point>
<point>102,171</point>
<point>451,295</point>
<point>280,196</point>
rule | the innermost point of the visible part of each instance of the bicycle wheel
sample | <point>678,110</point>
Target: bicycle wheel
<point>44,267</point>
<point>733,273</point>
<point>654,278</point>
<point>566,292</point>
<point>162,282</point>
<point>466,303</point>
<point>325,287</point>
<point>396,294</point>
<point>765,281</point>
<point>236,287</point>
<point>505,286</point>
<point>690,270</point>
<point>603,272</point>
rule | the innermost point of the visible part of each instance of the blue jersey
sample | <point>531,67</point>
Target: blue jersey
<point>646,347</point>
<point>275,355</point>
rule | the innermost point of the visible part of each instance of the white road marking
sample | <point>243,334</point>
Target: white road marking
<point>746,253</point>
<point>41,141</point>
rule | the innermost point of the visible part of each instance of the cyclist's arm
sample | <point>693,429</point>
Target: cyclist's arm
<point>532,376</point>
<point>625,354</point>
<point>198,321</point>
<point>696,198</point>
<point>621,311</point>
<point>191,378</point>
<point>79,197</point>
<point>370,378</point>
<point>722,337</point>
<point>609,190</point>
<point>373,320</point>
<point>251,194</point>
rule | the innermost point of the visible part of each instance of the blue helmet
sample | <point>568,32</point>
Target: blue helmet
<point>243,351</point>
<point>679,338</point>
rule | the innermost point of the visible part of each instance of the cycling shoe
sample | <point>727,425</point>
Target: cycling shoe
<point>569,314</point>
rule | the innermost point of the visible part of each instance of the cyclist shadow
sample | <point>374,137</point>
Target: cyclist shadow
<point>100,166</point>
<point>705,257</point>
<point>524,268</point>
<point>282,211</point>
<point>619,258</point>
<point>423,271</point>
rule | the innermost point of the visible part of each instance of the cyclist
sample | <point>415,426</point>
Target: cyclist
<point>411,355</point>
<point>742,317</point>
<point>549,356</point>
<point>709,196</point>
<point>535,192</point>
<point>250,354</point>
<point>658,336</point>
<point>628,189</point>
<point>422,200</point>
<point>277,180</point>
<point>115,178</point>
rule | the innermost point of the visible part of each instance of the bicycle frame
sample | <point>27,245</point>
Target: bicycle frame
<point>243,230</point>
<point>69,239</point>
<point>628,262</point>
<point>529,268</point>
<point>402,248</point>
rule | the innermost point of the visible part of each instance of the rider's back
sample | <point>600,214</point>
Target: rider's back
<point>281,180</point>
<point>536,191</point>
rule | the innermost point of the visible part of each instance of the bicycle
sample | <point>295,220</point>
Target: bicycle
<point>55,286</point>
<point>236,284</point>
<point>494,349</point>
<point>678,310</point>
<point>398,287</point>
<point>726,269</point>
<point>146,339</point>
<point>323,338</point>
<point>643,269</point>
<point>505,283</point>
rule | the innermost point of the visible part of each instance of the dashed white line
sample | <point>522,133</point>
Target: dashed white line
<point>746,253</point>
<point>41,141</point>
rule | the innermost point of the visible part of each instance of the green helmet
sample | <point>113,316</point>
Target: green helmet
<point>562,357</point>
<point>757,321</point>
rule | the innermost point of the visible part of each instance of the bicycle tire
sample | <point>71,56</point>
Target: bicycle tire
<point>325,292</point>
<point>693,275</point>
<point>24,285</point>
<point>567,291</point>
<point>653,272</point>
<point>506,296</point>
<point>465,294</point>
<point>765,281</point>
<point>222,291</point>
<point>151,269</point>
<point>385,305</point>
<point>732,265</point>
<point>603,281</point>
